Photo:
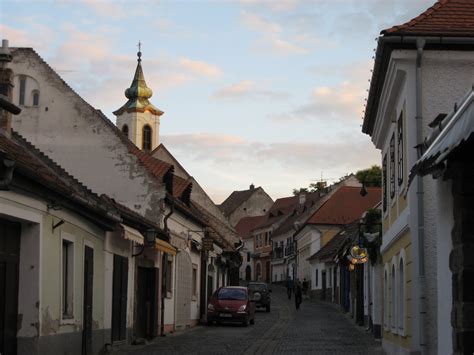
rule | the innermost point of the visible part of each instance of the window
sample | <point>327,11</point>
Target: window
<point>392,166</point>
<point>400,149</point>
<point>384,178</point>
<point>330,276</point>
<point>125,130</point>
<point>68,279</point>
<point>316,281</point>
<point>401,295</point>
<point>194,281</point>
<point>35,97</point>
<point>146,137</point>
<point>248,256</point>
<point>394,298</point>
<point>22,90</point>
<point>169,279</point>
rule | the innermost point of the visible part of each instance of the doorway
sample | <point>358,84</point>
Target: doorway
<point>147,302</point>
<point>323,280</point>
<point>10,235</point>
<point>248,273</point>
<point>119,298</point>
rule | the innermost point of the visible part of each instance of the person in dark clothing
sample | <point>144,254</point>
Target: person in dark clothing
<point>298,294</point>
<point>289,287</point>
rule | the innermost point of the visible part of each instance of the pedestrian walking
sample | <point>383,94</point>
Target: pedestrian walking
<point>305,289</point>
<point>289,287</point>
<point>298,294</point>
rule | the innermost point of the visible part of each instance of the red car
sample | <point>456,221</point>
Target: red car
<point>231,304</point>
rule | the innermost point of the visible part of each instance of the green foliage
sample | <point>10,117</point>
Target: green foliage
<point>371,177</point>
<point>372,224</point>
<point>313,187</point>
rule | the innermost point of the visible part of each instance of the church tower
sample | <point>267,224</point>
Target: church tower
<point>138,118</point>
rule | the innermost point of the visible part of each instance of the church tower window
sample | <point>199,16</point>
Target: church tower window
<point>125,130</point>
<point>147,133</point>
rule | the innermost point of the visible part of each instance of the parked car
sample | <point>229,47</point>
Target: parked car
<point>231,304</point>
<point>261,292</point>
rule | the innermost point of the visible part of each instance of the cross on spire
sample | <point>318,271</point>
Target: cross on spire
<point>139,54</point>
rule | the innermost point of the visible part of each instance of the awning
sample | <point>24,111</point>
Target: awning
<point>165,247</point>
<point>132,234</point>
<point>458,128</point>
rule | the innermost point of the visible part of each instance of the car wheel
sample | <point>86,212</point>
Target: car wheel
<point>252,321</point>
<point>268,308</point>
<point>209,323</point>
<point>246,322</point>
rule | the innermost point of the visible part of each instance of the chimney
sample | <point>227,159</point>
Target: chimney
<point>252,186</point>
<point>302,197</point>
<point>6,90</point>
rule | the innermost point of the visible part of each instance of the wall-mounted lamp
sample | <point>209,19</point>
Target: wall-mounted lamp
<point>150,237</point>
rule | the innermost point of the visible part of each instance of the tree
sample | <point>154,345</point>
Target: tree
<point>371,177</point>
<point>313,187</point>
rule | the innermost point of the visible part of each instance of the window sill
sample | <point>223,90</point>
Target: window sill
<point>67,321</point>
<point>194,298</point>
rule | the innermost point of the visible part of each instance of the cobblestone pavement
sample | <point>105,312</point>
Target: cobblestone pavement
<point>316,328</point>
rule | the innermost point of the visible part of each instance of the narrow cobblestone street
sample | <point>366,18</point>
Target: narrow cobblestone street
<point>317,328</point>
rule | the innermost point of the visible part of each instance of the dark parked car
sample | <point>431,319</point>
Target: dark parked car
<point>231,304</point>
<point>261,293</point>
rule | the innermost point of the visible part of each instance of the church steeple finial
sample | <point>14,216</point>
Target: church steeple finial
<point>138,93</point>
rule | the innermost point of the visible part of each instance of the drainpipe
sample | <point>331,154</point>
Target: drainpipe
<point>420,43</point>
<point>164,268</point>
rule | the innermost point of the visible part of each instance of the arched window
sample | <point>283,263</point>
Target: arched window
<point>401,296</point>
<point>394,299</point>
<point>35,97</point>
<point>146,137</point>
<point>125,130</point>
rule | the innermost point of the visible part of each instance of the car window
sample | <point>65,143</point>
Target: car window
<point>231,294</point>
<point>258,287</point>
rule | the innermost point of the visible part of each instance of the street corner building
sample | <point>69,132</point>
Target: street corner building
<point>419,115</point>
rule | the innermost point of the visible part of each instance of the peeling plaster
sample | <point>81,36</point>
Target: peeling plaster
<point>49,325</point>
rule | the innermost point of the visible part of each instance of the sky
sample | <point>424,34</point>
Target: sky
<point>269,92</point>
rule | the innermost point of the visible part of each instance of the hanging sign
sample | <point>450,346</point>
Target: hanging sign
<point>208,243</point>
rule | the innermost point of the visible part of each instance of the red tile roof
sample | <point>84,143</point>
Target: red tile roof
<point>454,18</point>
<point>247,224</point>
<point>346,206</point>
<point>180,185</point>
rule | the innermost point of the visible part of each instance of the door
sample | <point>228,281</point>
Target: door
<point>323,280</point>
<point>248,273</point>
<point>360,294</point>
<point>147,302</point>
<point>119,298</point>
<point>10,235</point>
<point>183,289</point>
<point>268,277</point>
<point>87,304</point>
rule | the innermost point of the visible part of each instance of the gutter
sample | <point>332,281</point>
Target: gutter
<point>420,44</point>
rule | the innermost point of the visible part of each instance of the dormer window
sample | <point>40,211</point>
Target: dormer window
<point>146,138</point>
<point>125,130</point>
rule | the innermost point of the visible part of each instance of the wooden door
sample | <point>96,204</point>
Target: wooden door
<point>183,290</point>
<point>119,298</point>
<point>147,302</point>
<point>87,301</point>
<point>10,235</point>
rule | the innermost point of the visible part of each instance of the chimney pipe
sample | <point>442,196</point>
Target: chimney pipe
<point>6,90</point>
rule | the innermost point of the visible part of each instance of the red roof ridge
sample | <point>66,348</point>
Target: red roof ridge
<point>427,23</point>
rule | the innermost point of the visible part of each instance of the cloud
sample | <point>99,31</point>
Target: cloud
<point>277,6</point>
<point>235,161</point>
<point>341,102</point>
<point>200,68</point>
<point>39,37</point>
<point>258,23</point>
<point>247,89</point>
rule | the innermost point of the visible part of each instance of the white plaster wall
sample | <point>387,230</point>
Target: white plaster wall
<point>444,226</point>
<point>248,248</point>
<point>136,121</point>
<point>68,130</point>
<point>257,205</point>
<point>316,266</point>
